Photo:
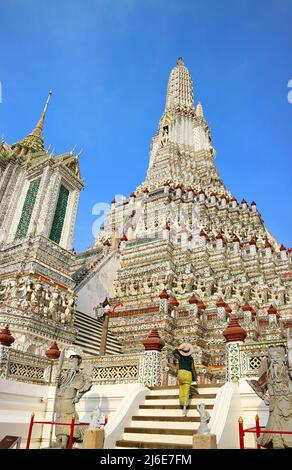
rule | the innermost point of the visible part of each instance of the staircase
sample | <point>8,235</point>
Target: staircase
<point>159,423</point>
<point>89,334</point>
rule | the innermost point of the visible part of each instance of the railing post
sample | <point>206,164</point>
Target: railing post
<point>30,430</point>
<point>258,430</point>
<point>234,336</point>
<point>4,361</point>
<point>241,433</point>
<point>71,432</point>
<point>151,374</point>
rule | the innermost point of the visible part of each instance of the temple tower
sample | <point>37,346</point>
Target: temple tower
<point>189,254</point>
<point>39,192</point>
<point>39,195</point>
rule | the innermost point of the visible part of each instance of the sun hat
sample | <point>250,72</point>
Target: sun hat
<point>186,349</point>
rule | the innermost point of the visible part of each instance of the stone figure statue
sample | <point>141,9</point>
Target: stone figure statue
<point>67,314</point>
<point>165,137</point>
<point>70,389</point>
<point>54,305</point>
<point>274,386</point>
<point>3,291</point>
<point>37,296</point>
<point>204,419</point>
<point>13,292</point>
<point>95,416</point>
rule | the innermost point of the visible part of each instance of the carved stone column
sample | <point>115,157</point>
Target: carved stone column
<point>234,336</point>
<point>151,373</point>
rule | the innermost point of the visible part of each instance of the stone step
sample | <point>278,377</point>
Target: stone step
<point>89,324</point>
<point>88,329</point>
<point>95,339</point>
<point>202,389</point>
<point>176,396</point>
<point>169,423</point>
<point>175,401</point>
<point>161,431</point>
<point>151,437</point>
<point>172,387</point>
<point>121,444</point>
<point>170,407</point>
<point>160,419</point>
<point>89,336</point>
<point>95,349</point>
<point>95,335</point>
<point>156,413</point>
<point>92,350</point>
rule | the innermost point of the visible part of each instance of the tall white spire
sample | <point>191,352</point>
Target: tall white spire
<point>180,90</point>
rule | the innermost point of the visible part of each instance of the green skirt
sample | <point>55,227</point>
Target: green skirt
<point>184,378</point>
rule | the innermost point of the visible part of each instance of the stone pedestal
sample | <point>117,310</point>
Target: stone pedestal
<point>204,441</point>
<point>93,439</point>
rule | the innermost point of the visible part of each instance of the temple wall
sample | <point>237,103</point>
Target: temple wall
<point>17,401</point>
<point>108,397</point>
<point>251,405</point>
<point>99,286</point>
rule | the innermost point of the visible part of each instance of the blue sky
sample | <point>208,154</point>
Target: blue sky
<point>108,61</point>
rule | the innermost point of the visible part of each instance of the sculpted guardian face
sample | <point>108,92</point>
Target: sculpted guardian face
<point>74,362</point>
<point>277,353</point>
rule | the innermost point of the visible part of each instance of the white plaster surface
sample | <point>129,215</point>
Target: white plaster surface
<point>17,402</point>
<point>99,286</point>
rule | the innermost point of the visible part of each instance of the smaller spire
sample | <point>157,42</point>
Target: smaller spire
<point>173,302</point>
<point>164,294</point>
<point>73,150</point>
<point>199,110</point>
<point>34,141</point>
<point>193,299</point>
<point>39,127</point>
<point>233,331</point>
<point>153,342</point>
<point>53,352</point>
<point>6,338</point>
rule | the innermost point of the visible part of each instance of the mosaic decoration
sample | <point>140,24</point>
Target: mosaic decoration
<point>27,208</point>
<point>233,363</point>
<point>4,362</point>
<point>116,374</point>
<point>25,367</point>
<point>59,216</point>
<point>152,370</point>
<point>251,355</point>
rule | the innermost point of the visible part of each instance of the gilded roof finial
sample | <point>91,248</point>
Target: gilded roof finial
<point>79,153</point>
<point>73,150</point>
<point>39,127</point>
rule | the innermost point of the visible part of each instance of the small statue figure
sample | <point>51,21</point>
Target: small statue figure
<point>95,417</point>
<point>54,305</point>
<point>3,291</point>
<point>275,378</point>
<point>13,297</point>
<point>165,137</point>
<point>37,296</point>
<point>205,418</point>
<point>69,391</point>
<point>67,315</point>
